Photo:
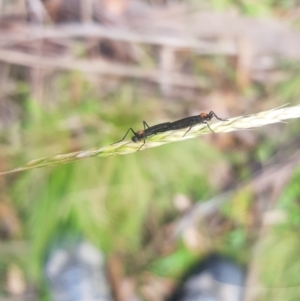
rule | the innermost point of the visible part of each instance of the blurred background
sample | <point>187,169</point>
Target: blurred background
<point>77,74</point>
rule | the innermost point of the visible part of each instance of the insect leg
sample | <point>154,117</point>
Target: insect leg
<point>142,145</point>
<point>208,126</point>
<point>145,124</point>
<point>213,114</point>
<point>130,129</point>
<point>187,130</point>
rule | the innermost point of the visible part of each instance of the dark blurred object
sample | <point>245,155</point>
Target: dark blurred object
<point>101,11</point>
<point>215,279</point>
<point>112,13</point>
<point>75,271</point>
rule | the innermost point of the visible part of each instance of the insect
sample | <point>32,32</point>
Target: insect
<point>187,122</point>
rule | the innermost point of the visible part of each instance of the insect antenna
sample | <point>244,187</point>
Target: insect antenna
<point>130,129</point>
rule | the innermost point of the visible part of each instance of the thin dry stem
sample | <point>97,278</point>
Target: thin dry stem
<point>126,147</point>
<point>100,67</point>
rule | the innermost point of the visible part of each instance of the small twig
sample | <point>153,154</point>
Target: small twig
<point>100,67</point>
<point>268,175</point>
<point>33,33</point>
<point>127,147</point>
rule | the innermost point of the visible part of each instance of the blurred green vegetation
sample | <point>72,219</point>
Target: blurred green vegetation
<point>108,201</point>
<point>124,203</point>
<point>121,203</point>
<point>255,8</point>
<point>278,255</point>
<point>112,201</point>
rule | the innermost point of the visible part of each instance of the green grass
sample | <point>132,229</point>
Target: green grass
<point>119,203</point>
<point>122,203</point>
<point>110,200</point>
